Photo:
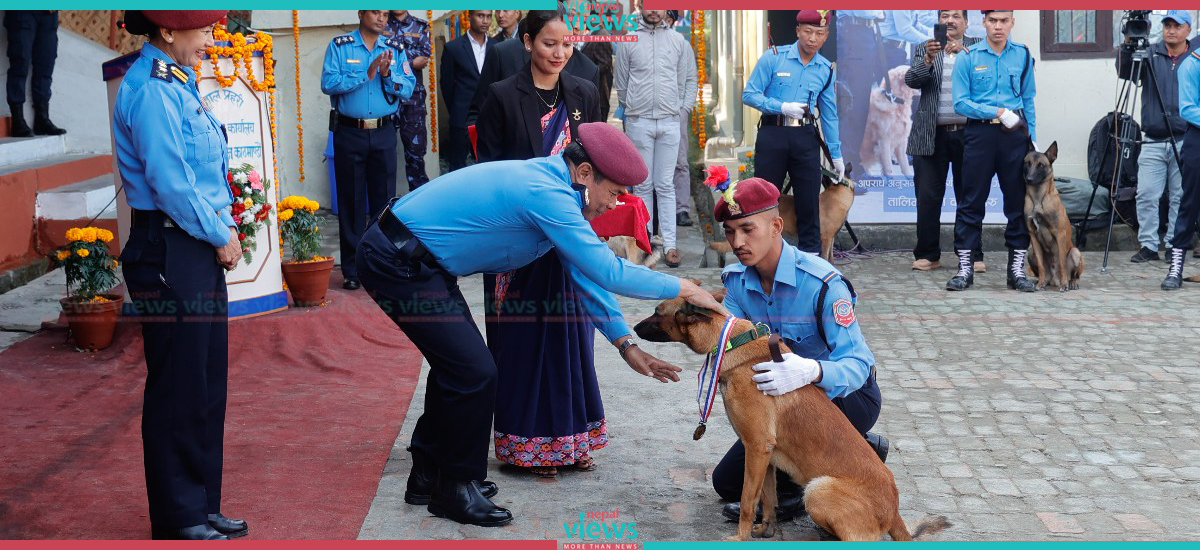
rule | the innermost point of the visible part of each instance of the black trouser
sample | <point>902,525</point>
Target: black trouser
<point>460,394</point>
<point>178,288</point>
<point>458,146</point>
<point>32,40</point>
<point>365,166</point>
<point>929,178</point>
<point>794,152</point>
<point>862,409</point>
<point>1189,202</point>
<point>989,151</point>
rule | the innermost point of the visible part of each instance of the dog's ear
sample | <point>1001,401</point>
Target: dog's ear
<point>689,314</point>
<point>1032,149</point>
<point>1052,152</point>
<point>719,295</point>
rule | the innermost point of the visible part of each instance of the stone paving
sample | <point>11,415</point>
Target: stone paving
<point>1018,416</point>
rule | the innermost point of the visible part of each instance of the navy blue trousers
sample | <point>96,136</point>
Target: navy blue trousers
<point>989,151</point>
<point>455,428</point>
<point>794,152</point>
<point>178,290</point>
<point>365,166</point>
<point>32,41</point>
<point>861,407</point>
<point>1189,202</point>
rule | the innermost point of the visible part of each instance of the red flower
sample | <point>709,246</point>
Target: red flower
<point>238,208</point>
<point>230,178</point>
<point>241,236</point>
<point>716,176</point>
<point>237,191</point>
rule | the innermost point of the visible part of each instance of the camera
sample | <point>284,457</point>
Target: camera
<point>1136,27</point>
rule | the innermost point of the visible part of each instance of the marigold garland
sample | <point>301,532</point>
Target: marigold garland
<point>299,113</point>
<point>433,127</point>
<point>698,30</point>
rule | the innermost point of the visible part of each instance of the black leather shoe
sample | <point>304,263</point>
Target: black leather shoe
<point>790,506</point>
<point>195,532</point>
<point>351,284</point>
<point>423,478</point>
<point>966,272</point>
<point>1174,280</point>
<point>233,528</point>
<point>1145,255</point>
<point>462,501</point>
<point>879,444</point>
<point>1016,278</point>
<point>683,219</point>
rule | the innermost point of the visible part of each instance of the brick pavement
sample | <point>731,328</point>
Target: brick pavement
<point>1019,416</point>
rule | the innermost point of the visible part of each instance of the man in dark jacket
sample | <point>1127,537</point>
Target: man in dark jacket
<point>462,61</point>
<point>936,139</point>
<point>1157,166</point>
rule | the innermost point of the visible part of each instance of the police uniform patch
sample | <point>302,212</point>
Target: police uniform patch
<point>179,74</point>
<point>843,312</point>
<point>161,70</point>
<point>343,40</point>
<point>407,68</point>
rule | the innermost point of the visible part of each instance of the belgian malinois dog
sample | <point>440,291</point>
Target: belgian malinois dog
<point>848,491</point>
<point>1052,253</point>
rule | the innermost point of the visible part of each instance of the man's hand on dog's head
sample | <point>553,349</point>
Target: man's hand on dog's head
<point>693,294</point>
<point>649,365</point>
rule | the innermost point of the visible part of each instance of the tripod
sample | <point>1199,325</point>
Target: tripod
<point>1140,69</point>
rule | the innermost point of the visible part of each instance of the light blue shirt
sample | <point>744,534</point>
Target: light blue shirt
<point>863,14</point>
<point>984,81</point>
<point>498,216</point>
<point>781,77</point>
<point>171,152</point>
<point>344,77</point>
<point>906,26</point>
<point>1189,89</point>
<point>789,311</point>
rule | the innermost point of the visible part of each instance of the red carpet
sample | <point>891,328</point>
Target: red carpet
<point>316,399</point>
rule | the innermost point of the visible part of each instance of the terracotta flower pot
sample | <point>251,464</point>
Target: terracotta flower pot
<point>92,324</point>
<point>308,281</point>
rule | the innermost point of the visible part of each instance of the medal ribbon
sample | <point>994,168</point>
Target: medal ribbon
<point>710,374</point>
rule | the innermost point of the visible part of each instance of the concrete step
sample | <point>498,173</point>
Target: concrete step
<point>85,199</point>
<point>18,150</point>
<point>56,171</point>
<point>24,309</point>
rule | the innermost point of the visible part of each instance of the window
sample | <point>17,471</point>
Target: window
<point>1076,34</point>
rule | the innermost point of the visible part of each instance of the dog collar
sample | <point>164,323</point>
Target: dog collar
<point>760,330</point>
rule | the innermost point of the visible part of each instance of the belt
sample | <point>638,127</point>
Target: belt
<point>860,21</point>
<point>980,121</point>
<point>403,239</point>
<point>951,127</point>
<point>150,218</point>
<point>363,123</point>
<point>780,120</point>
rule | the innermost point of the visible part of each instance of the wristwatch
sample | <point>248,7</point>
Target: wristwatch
<point>625,347</point>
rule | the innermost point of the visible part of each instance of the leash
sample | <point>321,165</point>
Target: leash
<point>709,375</point>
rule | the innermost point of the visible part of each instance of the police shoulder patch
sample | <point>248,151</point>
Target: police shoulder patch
<point>395,43</point>
<point>843,312</point>
<point>161,70</point>
<point>1196,54</point>
<point>343,40</point>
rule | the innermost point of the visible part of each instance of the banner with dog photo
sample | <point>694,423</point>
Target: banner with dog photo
<point>875,106</point>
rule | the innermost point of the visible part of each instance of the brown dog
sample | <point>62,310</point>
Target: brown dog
<point>1052,254</point>
<point>834,204</point>
<point>884,148</point>
<point>847,490</point>
<point>626,247</point>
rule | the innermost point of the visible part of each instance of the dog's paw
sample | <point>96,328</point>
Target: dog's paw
<point>734,538</point>
<point>763,530</point>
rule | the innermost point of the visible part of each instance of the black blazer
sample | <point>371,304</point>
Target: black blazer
<point>509,57</point>
<point>459,77</point>
<point>509,124</point>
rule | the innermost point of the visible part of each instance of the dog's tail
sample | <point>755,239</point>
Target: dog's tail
<point>926,528</point>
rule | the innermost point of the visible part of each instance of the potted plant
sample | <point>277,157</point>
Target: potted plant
<point>307,274</point>
<point>91,272</point>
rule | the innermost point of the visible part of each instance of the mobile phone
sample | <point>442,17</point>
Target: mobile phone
<point>939,33</point>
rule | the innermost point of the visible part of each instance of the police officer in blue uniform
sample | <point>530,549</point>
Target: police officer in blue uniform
<point>491,218</point>
<point>171,153</point>
<point>413,34</point>
<point>811,306</point>
<point>366,75</point>
<point>994,88</point>
<point>787,85</point>
<point>1189,202</point>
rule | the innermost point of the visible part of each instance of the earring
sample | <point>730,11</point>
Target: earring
<point>170,40</point>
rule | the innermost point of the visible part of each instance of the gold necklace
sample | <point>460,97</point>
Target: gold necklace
<point>539,96</point>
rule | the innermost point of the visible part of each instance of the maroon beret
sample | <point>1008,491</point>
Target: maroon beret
<point>985,12</point>
<point>613,155</point>
<point>750,196</point>
<point>182,20</point>
<point>819,18</point>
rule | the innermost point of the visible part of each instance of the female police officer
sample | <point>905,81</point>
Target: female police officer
<point>172,157</point>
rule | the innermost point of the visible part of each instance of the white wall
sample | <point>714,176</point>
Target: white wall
<point>78,96</point>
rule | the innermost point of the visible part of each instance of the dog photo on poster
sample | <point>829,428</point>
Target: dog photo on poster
<point>875,109</point>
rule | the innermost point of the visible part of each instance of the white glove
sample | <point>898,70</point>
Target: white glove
<point>779,378</point>
<point>1009,119</point>
<point>792,109</point>
<point>839,166</point>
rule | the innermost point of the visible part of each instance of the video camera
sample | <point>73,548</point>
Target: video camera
<point>1136,27</point>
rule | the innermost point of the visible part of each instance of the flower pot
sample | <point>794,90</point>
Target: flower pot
<point>308,281</point>
<point>92,324</point>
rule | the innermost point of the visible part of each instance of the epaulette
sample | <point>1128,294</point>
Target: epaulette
<point>730,270</point>
<point>343,40</point>
<point>395,42</point>
<point>816,266</point>
<point>1196,54</point>
<point>167,71</point>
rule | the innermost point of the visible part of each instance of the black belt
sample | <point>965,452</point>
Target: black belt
<point>403,239</point>
<point>364,123</point>
<point>980,121</point>
<point>150,218</point>
<point>780,120</point>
